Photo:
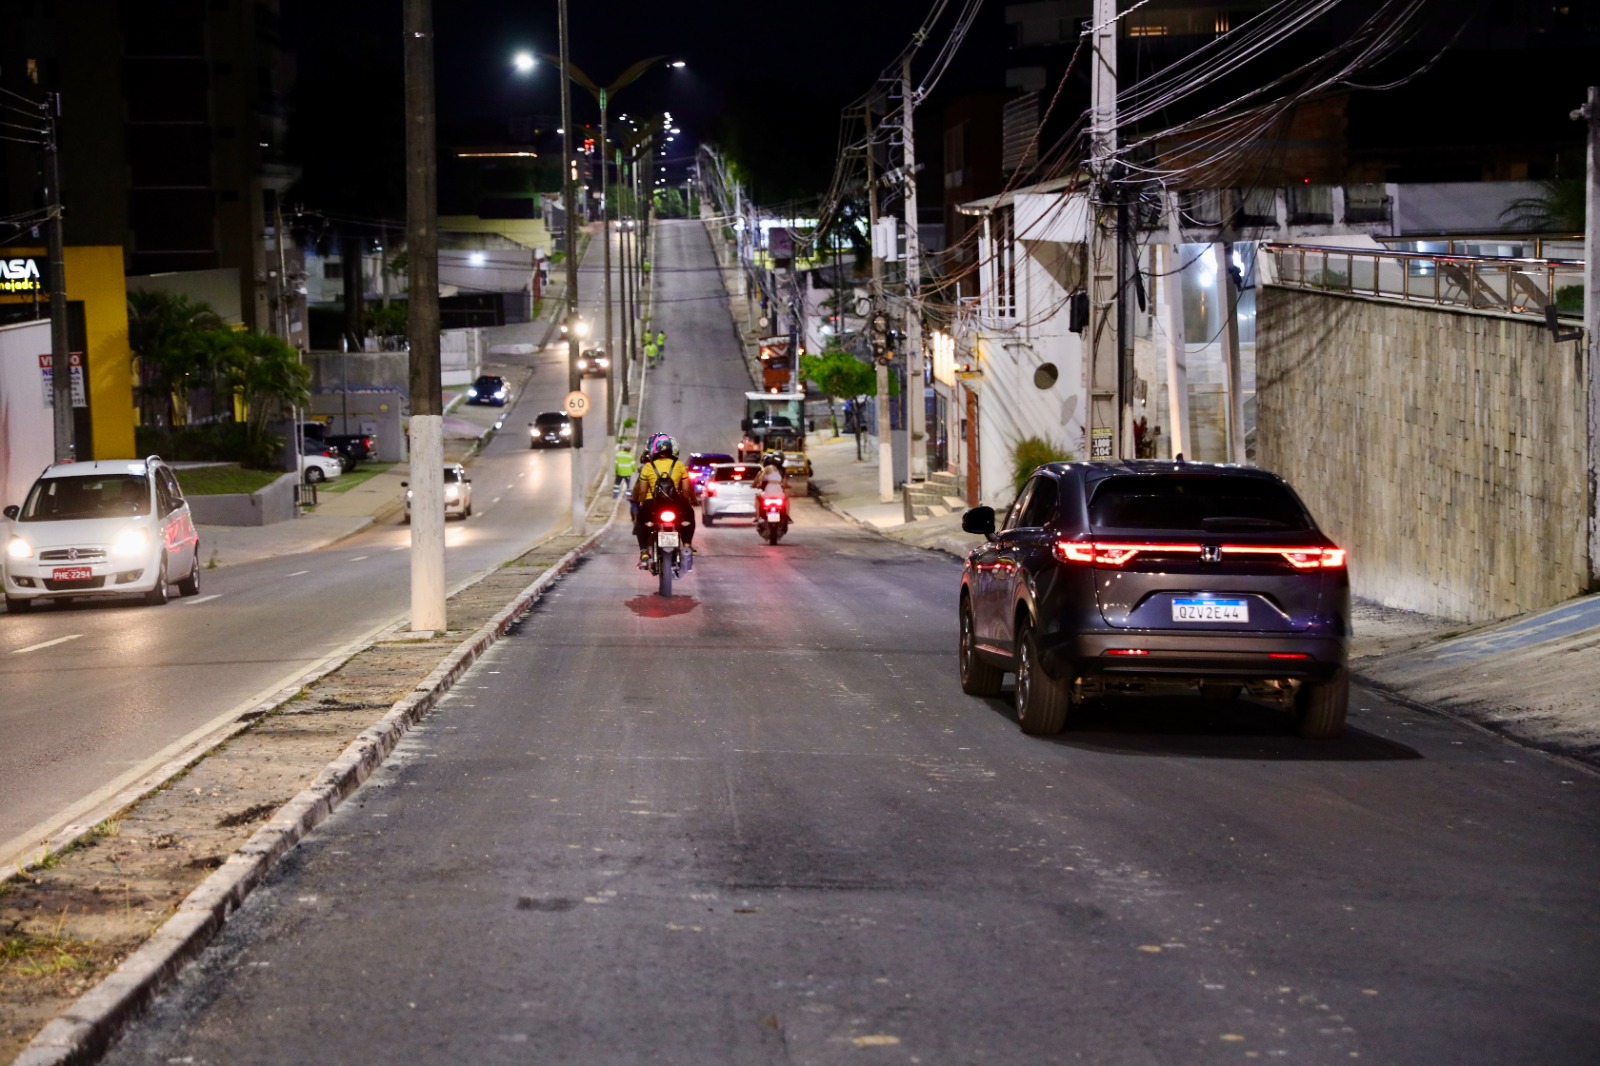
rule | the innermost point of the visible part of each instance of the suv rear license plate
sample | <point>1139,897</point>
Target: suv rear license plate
<point>666,540</point>
<point>1210,610</point>
<point>71,573</point>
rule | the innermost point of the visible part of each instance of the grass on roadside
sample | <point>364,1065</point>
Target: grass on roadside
<point>349,480</point>
<point>224,478</point>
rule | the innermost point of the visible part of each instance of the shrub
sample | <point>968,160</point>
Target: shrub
<point>1030,453</point>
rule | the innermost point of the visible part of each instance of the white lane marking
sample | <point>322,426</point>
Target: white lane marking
<point>358,558</point>
<point>497,499</point>
<point>201,599</point>
<point>401,548</point>
<point>47,644</point>
<point>297,573</point>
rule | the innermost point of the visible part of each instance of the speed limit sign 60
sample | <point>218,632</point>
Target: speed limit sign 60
<point>576,404</point>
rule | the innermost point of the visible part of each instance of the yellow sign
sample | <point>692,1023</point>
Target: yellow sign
<point>21,275</point>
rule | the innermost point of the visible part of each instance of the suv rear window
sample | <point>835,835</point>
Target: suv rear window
<point>1202,503</point>
<point>93,496</point>
<point>735,473</point>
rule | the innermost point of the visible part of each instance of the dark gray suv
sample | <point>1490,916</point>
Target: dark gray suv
<point>1112,578</point>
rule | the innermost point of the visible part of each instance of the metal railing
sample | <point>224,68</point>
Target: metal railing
<point>1509,286</point>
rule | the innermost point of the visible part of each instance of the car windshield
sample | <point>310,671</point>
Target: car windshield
<point>60,499</point>
<point>1199,503</point>
<point>488,383</point>
<point>452,476</point>
<point>735,473</point>
<point>550,420</point>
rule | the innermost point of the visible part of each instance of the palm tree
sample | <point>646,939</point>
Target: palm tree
<point>270,381</point>
<point>1558,207</point>
<point>170,336</point>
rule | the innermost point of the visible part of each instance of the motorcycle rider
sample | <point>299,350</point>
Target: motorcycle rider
<point>663,481</point>
<point>772,481</point>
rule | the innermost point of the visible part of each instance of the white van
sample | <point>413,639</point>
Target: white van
<point>114,527</point>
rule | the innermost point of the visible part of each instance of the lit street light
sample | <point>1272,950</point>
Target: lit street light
<point>524,62</point>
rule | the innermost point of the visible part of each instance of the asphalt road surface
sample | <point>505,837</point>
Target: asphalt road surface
<point>95,694</point>
<point>759,822</point>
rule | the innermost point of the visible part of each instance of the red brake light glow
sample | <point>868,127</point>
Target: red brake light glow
<point>1099,553</point>
<point>1127,651</point>
<point>711,490</point>
<point>668,516</point>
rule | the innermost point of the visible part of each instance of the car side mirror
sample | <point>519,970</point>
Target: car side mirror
<point>979,520</point>
<point>12,511</point>
<point>744,424</point>
<point>466,480</point>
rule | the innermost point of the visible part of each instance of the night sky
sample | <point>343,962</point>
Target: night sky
<point>778,74</point>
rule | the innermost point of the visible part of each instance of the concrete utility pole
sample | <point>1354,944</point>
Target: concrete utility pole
<point>916,377</point>
<point>605,241</point>
<point>1177,350</point>
<point>1102,372</point>
<point>1590,112</point>
<point>427,399</point>
<point>1232,368</point>
<point>885,437</point>
<point>60,342</point>
<point>569,181</point>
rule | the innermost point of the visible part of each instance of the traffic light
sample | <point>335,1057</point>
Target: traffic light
<point>879,338</point>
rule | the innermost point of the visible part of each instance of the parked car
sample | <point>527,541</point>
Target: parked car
<point>457,493</point>
<point>319,462</point>
<point>699,465</point>
<point>106,528</point>
<point>352,448</point>
<point>594,363</point>
<point>489,389</point>
<point>1118,578</point>
<point>730,492</point>
<point>550,429</point>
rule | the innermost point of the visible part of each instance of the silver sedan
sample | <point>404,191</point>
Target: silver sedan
<point>729,492</point>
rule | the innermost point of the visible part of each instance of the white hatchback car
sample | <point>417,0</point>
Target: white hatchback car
<point>730,491</point>
<point>114,527</point>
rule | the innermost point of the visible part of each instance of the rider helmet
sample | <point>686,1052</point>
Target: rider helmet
<point>661,446</point>
<point>773,459</point>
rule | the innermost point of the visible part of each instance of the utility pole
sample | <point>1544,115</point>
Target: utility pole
<point>427,400</point>
<point>1232,369</point>
<point>916,376</point>
<point>569,178</point>
<point>1102,370</point>
<point>605,241</point>
<point>885,438</point>
<point>60,342</point>
<point>622,271</point>
<point>1590,112</point>
<point>1177,349</point>
<point>297,437</point>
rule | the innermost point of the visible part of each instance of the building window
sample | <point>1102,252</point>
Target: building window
<point>1002,227</point>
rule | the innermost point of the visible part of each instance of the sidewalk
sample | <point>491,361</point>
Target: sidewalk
<point>1535,678</point>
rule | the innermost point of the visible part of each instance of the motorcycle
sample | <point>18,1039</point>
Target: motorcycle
<point>669,556</point>
<point>772,517</point>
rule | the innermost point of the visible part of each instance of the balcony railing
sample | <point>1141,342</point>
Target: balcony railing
<point>1510,286</point>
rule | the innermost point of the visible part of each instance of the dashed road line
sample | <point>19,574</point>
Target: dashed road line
<point>47,643</point>
<point>297,573</point>
<point>200,599</point>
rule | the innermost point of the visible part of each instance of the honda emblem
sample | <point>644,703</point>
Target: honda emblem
<point>1210,553</point>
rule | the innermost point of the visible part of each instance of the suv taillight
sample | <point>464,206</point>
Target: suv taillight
<point>1098,553</point>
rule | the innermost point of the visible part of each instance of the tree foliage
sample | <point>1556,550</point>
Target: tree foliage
<point>838,375</point>
<point>1558,207</point>
<point>185,350</point>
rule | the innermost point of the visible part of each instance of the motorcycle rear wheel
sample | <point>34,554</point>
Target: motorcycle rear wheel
<point>664,578</point>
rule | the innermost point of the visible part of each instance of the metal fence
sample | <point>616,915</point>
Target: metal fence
<point>1511,286</point>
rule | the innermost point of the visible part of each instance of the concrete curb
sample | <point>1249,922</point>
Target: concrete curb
<point>86,1029</point>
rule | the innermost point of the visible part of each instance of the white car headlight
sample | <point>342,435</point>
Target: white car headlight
<point>472,392</point>
<point>18,548</point>
<point>131,541</point>
<point>452,491</point>
<point>566,431</point>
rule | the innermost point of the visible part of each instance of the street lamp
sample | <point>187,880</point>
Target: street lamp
<point>524,62</point>
<point>603,95</point>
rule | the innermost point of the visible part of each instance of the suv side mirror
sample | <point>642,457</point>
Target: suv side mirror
<point>979,520</point>
<point>744,424</point>
<point>12,511</point>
